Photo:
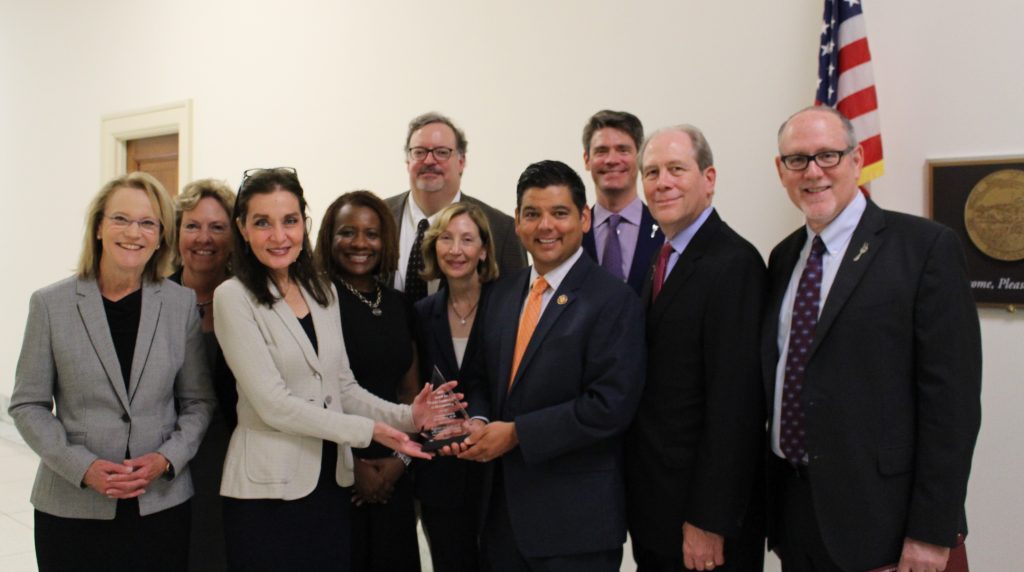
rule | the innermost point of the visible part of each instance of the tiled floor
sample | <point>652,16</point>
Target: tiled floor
<point>17,553</point>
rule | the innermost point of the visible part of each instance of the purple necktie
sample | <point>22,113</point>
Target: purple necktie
<point>792,439</point>
<point>612,259</point>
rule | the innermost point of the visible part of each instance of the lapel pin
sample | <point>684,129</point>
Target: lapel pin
<point>562,300</point>
<point>863,250</point>
<point>654,230</point>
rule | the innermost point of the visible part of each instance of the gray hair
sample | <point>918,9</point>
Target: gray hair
<point>701,149</point>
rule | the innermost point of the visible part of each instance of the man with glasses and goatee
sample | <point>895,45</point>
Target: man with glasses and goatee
<point>871,354</point>
<point>435,156</point>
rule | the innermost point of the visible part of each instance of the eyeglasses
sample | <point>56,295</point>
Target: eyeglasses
<point>825,159</point>
<point>440,153</point>
<point>246,174</point>
<point>146,225</point>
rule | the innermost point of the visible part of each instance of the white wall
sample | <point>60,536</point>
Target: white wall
<point>328,87</point>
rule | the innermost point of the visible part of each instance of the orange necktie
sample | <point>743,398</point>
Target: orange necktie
<point>527,324</point>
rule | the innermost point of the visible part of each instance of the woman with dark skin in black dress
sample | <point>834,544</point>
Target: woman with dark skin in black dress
<point>356,247</point>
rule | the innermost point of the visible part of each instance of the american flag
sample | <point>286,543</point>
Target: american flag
<point>845,80</point>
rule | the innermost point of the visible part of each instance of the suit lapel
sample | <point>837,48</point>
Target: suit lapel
<point>290,321</point>
<point>148,320</point>
<point>561,299</point>
<point>90,308</point>
<point>687,263</point>
<point>589,242</point>
<point>865,243</point>
<point>648,240</point>
<point>439,325</point>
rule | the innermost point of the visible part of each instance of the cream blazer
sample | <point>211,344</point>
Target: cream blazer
<point>290,398</point>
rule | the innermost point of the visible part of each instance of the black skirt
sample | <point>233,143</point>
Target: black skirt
<point>311,533</point>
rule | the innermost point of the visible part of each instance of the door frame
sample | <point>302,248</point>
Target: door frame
<point>119,128</point>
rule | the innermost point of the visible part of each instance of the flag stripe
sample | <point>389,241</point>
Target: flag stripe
<point>872,149</point>
<point>865,125</point>
<point>855,79</point>
<point>854,54</point>
<point>851,30</point>
<point>857,104</point>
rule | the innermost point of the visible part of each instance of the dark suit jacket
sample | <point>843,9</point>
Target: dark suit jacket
<point>649,239</point>
<point>446,481</point>
<point>509,251</point>
<point>574,395</point>
<point>892,389</point>
<point>695,447</point>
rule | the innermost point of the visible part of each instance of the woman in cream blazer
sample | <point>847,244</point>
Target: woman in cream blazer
<point>300,409</point>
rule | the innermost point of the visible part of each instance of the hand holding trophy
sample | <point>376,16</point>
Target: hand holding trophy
<point>448,424</point>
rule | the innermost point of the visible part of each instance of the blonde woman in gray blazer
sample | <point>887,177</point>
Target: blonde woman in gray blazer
<point>118,351</point>
<point>300,410</point>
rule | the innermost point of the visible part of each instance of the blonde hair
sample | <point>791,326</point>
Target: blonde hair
<point>189,198</point>
<point>487,269</point>
<point>92,249</point>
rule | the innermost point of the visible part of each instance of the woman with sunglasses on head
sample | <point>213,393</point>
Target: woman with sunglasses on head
<point>458,247</point>
<point>112,392</point>
<point>300,409</point>
<point>203,210</point>
<point>357,248</point>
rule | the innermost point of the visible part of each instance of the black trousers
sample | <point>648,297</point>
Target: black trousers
<point>129,542</point>
<point>800,547</point>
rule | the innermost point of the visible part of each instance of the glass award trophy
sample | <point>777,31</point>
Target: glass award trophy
<point>450,417</point>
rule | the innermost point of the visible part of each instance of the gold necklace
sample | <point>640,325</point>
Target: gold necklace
<point>374,306</point>
<point>469,314</point>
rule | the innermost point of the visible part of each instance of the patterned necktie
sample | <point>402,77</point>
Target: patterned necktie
<point>415,287</point>
<point>612,258</point>
<point>659,270</point>
<point>792,439</point>
<point>527,324</point>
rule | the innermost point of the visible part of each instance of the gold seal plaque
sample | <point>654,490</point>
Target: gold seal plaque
<point>994,215</point>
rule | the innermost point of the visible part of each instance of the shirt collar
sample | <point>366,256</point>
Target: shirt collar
<point>682,239</point>
<point>416,213</point>
<point>631,213</point>
<point>555,276</point>
<point>839,232</point>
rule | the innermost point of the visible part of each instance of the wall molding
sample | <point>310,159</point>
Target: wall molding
<point>119,128</point>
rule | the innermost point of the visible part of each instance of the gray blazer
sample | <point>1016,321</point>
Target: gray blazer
<point>508,250</point>
<point>291,397</point>
<point>68,360</point>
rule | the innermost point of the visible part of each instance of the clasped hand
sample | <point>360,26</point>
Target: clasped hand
<point>127,479</point>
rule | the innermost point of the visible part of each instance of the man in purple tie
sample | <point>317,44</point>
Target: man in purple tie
<point>871,358</point>
<point>693,454</point>
<point>624,237</point>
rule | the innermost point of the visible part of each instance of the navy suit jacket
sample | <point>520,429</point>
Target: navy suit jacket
<point>693,453</point>
<point>648,240</point>
<point>574,395</point>
<point>892,387</point>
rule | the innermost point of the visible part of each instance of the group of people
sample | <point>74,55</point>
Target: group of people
<point>262,407</point>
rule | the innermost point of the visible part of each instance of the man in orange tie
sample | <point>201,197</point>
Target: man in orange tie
<point>562,375</point>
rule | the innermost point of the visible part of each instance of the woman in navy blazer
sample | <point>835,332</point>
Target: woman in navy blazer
<point>119,351</point>
<point>458,247</point>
